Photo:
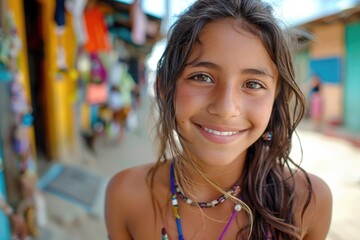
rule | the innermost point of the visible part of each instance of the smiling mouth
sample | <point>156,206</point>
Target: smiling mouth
<point>219,133</point>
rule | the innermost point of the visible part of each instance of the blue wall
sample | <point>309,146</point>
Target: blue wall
<point>327,69</point>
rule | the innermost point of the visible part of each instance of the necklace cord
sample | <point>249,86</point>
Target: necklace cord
<point>233,191</point>
<point>175,205</point>
<point>228,224</point>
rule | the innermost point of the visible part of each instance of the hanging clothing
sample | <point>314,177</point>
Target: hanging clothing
<point>127,85</point>
<point>59,15</point>
<point>77,7</point>
<point>98,36</point>
<point>139,22</point>
<point>98,87</point>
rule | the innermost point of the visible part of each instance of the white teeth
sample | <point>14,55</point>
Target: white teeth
<point>218,132</point>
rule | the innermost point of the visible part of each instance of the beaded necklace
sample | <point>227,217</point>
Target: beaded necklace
<point>234,191</point>
<point>175,205</point>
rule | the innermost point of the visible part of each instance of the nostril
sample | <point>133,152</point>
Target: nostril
<point>225,107</point>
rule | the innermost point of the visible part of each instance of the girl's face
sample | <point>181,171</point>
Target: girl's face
<point>224,96</point>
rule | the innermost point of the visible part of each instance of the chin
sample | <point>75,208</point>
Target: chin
<point>220,160</point>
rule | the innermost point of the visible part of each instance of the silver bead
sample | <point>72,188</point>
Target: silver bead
<point>237,207</point>
<point>174,202</point>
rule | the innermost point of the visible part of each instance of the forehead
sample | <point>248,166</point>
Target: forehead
<point>228,42</point>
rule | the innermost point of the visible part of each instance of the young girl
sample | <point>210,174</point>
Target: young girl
<point>224,86</point>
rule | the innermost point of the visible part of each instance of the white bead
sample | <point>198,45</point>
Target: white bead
<point>189,201</point>
<point>237,207</point>
<point>214,202</point>
<point>174,202</point>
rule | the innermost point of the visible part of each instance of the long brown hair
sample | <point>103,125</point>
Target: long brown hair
<point>266,191</point>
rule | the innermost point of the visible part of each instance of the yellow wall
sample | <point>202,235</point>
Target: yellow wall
<point>17,9</point>
<point>60,87</point>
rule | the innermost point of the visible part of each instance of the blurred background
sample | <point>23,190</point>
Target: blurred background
<point>76,89</point>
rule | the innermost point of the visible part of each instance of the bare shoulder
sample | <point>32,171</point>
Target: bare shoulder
<point>123,191</point>
<point>124,181</point>
<point>317,217</point>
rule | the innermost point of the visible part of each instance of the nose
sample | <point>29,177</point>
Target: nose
<point>225,102</point>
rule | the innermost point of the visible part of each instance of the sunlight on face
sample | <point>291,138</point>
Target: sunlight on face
<point>225,94</point>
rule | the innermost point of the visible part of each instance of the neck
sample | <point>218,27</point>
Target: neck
<point>199,189</point>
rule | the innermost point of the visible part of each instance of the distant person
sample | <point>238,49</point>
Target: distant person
<point>316,102</point>
<point>223,91</point>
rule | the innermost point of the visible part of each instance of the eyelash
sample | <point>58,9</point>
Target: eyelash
<point>260,85</point>
<point>200,78</point>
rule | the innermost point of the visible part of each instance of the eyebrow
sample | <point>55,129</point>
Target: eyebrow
<point>256,71</point>
<point>203,64</point>
<point>253,71</point>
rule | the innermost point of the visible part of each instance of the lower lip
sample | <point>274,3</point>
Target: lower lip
<point>220,139</point>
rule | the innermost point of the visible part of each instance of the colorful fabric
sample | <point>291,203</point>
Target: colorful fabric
<point>98,37</point>
<point>76,7</point>
<point>138,33</point>
<point>127,84</point>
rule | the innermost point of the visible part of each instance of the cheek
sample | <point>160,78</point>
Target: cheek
<point>183,103</point>
<point>187,99</point>
<point>182,97</point>
<point>261,111</point>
